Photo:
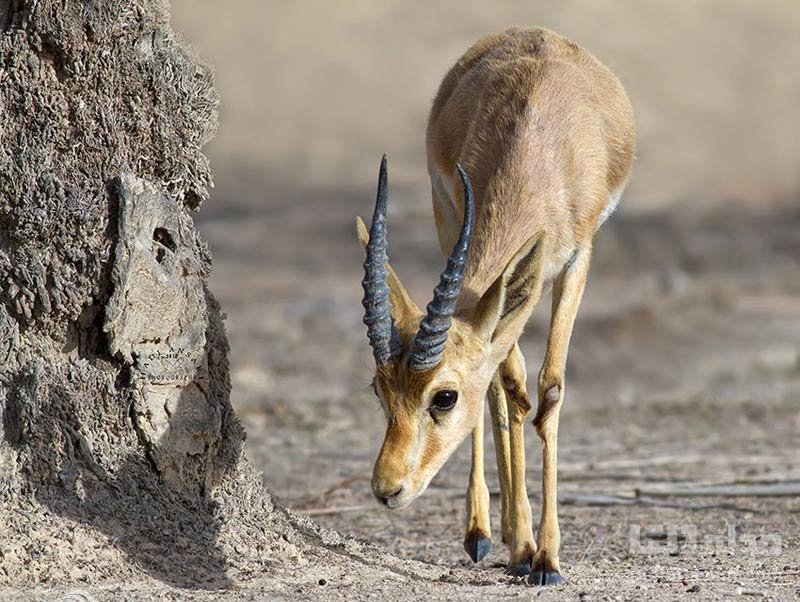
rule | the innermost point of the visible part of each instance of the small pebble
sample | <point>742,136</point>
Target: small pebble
<point>694,589</point>
<point>322,582</point>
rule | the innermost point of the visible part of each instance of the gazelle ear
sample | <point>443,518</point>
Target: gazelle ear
<point>404,310</point>
<point>504,308</point>
<point>362,231</point>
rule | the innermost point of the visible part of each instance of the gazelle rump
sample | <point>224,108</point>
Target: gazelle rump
<point>530,141</point>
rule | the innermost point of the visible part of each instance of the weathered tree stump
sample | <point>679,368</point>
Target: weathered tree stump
<point>117,428</point>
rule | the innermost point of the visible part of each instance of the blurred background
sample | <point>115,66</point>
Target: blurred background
<point>314,91</point>
<point>684,364</point>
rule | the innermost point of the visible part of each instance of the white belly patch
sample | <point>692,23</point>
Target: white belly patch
<point>611,205</point>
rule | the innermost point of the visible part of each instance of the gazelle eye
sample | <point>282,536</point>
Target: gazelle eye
<point>444,400</point>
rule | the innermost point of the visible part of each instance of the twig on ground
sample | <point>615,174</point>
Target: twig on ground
<point>776,489</point>
<point>333,510</point>
<point>618,500</point>
<point>586,551</point>
<point>318,497</point>
<point>668,460</point>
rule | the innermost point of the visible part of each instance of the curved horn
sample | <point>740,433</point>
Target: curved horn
<point>377,309</point>
<point>432,335</point>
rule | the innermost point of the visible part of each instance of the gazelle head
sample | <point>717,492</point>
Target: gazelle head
<point>433,368</point>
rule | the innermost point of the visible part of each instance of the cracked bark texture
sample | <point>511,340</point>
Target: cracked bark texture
<point>114,383</point>
<point>102,271</point>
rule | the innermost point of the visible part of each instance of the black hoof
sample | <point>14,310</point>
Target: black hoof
<point>541,576</point>
<point>519,569</point>
<point>477,546</point>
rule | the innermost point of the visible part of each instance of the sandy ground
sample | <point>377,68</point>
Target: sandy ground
<point>684,371</point>
<point>685,364</point>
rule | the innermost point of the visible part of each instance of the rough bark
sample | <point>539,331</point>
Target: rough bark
<point>114,385</point>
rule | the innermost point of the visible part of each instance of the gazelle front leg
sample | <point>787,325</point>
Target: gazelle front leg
<point>478,541</point>
<point>523,547</point>
<point>567,293</point>
<point>498,407</point>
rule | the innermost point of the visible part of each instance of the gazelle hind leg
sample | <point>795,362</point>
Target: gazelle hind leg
<point>567,293</point>
<point>523,546</point>
<point>478,541</point>
<point>498,407</point>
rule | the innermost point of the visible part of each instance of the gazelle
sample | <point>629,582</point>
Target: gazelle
<point>546,134</point>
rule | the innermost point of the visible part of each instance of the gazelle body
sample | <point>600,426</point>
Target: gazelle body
<point>545,136</point>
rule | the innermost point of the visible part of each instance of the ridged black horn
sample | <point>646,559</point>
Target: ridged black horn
<point>377,308</point>
<point>432,335</point>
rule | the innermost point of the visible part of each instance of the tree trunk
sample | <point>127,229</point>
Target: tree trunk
<point>114,385</point>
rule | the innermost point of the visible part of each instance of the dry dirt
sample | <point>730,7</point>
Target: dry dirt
<point>684,370</point>
<point>684,366</point>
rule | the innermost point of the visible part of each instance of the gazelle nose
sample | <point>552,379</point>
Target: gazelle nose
<point>386,496</point>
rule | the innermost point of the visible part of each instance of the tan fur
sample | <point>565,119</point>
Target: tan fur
<point>498,408</point>
<point>546,134</point>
